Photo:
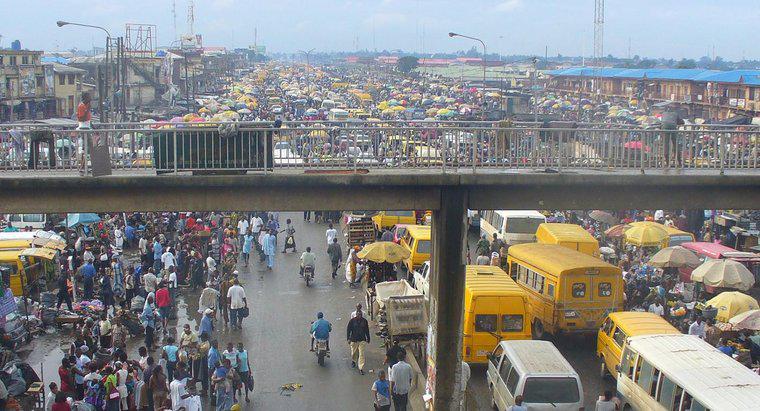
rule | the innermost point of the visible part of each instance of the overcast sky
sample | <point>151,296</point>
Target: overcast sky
<point>656,28</point>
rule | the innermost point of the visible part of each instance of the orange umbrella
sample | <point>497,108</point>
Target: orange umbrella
<point>616,230</point>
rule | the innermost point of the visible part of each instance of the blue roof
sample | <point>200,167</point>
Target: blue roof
<point>54,59</point>
<point>749,77</point>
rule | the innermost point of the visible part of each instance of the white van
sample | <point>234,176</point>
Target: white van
<point>20,221</point>
<point>512,226</point>
<point>537,371</point>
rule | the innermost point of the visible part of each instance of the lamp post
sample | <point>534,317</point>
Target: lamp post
<point>101,88</point>
<point>451,34</point>
<point>307,54</point>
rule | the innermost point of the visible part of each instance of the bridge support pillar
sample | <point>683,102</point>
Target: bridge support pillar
<point>447,297</point>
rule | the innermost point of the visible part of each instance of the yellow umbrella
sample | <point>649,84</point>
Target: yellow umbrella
<point>398,108</point>
<point>646,235</point>
<point>384,252</point>
<point>731,303</point>
<point>318,134</point>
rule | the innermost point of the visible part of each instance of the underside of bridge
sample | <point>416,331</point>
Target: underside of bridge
<point>447,195</point>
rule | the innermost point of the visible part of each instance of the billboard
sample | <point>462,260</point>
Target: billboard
<point>28,83</point>
<point>49,81</point>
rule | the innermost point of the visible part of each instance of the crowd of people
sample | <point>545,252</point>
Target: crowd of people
<point>177,252</point>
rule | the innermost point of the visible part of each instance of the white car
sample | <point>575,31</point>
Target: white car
<point>283,154</point>
<point>422,279</point>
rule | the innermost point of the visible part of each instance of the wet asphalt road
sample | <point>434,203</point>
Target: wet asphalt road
<point>276,333</point>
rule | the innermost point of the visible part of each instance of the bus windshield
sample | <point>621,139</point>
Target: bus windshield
<point>523,225</point>
<point>550,390</point>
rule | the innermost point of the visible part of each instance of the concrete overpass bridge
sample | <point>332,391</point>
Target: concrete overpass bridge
<point>518,169</point>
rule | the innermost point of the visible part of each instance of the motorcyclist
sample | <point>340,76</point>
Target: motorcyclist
<point>308,259</point>
<point>320,330</point>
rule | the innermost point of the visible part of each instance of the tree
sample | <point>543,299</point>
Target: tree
<point>686,64</point>
<point>407,63</point>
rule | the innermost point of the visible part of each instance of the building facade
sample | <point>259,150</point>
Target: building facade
<point>702,93</point>
<point>26,86</point>
<point>68,85</point>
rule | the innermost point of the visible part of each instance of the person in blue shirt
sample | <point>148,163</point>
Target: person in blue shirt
<point>149,321</point>
<point>158,250</point>
<point>213,356</point>
<point>320,330</point>
<point>725,348</point>
<point>88,272</point>
<point>244,369</point>
<point>170,354</point>
<point>224,395</point>
<point>207,324</point>
<point>129,233</point>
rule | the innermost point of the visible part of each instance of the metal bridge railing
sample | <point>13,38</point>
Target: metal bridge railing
<point>441,147</point>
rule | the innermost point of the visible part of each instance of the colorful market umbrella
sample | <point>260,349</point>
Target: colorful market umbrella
<point>75,219</point>
<point>748,320</point>
<point>384,252</point>
<point>645,235</point>
<point>603,217</point>
<point>732,303</point>
<point>674,257</point>
<point>724,273</point>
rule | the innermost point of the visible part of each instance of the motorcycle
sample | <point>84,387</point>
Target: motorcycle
<point>320,350</point>
<point>308,274</point>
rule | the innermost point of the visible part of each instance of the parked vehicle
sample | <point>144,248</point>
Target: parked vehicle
<point>617,328</point>
<point>571,236</point>
<point>537,371</point>
<point>570,292</point>
<point>683,372</point>
<point>511,226</point>
<point>495,309</point>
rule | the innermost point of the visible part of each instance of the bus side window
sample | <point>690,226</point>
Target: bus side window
<point>513,271</point>
<point>677,402</point>
<point>636,371</point>
<point>645,376</point>
<point>619,337</point>
<point>550,290</point>
<point>627,363</point>
<point>655,383</point>
<point>607,326</point>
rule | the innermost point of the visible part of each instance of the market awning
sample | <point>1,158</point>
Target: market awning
<point>39,252</point>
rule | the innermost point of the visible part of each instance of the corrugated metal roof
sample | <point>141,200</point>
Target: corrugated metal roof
<point>716,380</point>
<point>750,77</point>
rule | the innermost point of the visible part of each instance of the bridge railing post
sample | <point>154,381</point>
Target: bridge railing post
<point>174,149</point>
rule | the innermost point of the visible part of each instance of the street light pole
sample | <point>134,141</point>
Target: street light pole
<point>101,87</point>
<point>307,53</point>
<point>451,34</point>
<point>483,89</point>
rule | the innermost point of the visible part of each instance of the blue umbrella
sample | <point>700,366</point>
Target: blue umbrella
<point>76,219</point>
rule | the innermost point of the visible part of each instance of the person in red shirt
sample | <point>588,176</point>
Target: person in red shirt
<point>60,403</point>
<point>67,378</point>
<point>164,303</point>
<point>83,111</point>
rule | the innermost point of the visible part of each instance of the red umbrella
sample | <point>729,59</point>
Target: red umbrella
<point>616,231</point>
<point>636,145</point>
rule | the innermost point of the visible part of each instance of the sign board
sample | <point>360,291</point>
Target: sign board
<point>733,102</point>
<point>28,82</point>
<point>49,81</point>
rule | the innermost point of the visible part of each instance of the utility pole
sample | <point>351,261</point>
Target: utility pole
<point>598,41</point>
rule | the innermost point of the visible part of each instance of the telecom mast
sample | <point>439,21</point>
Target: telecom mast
<point>190,18</point>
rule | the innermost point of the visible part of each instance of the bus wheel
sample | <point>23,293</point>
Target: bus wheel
<point>537,330</point>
